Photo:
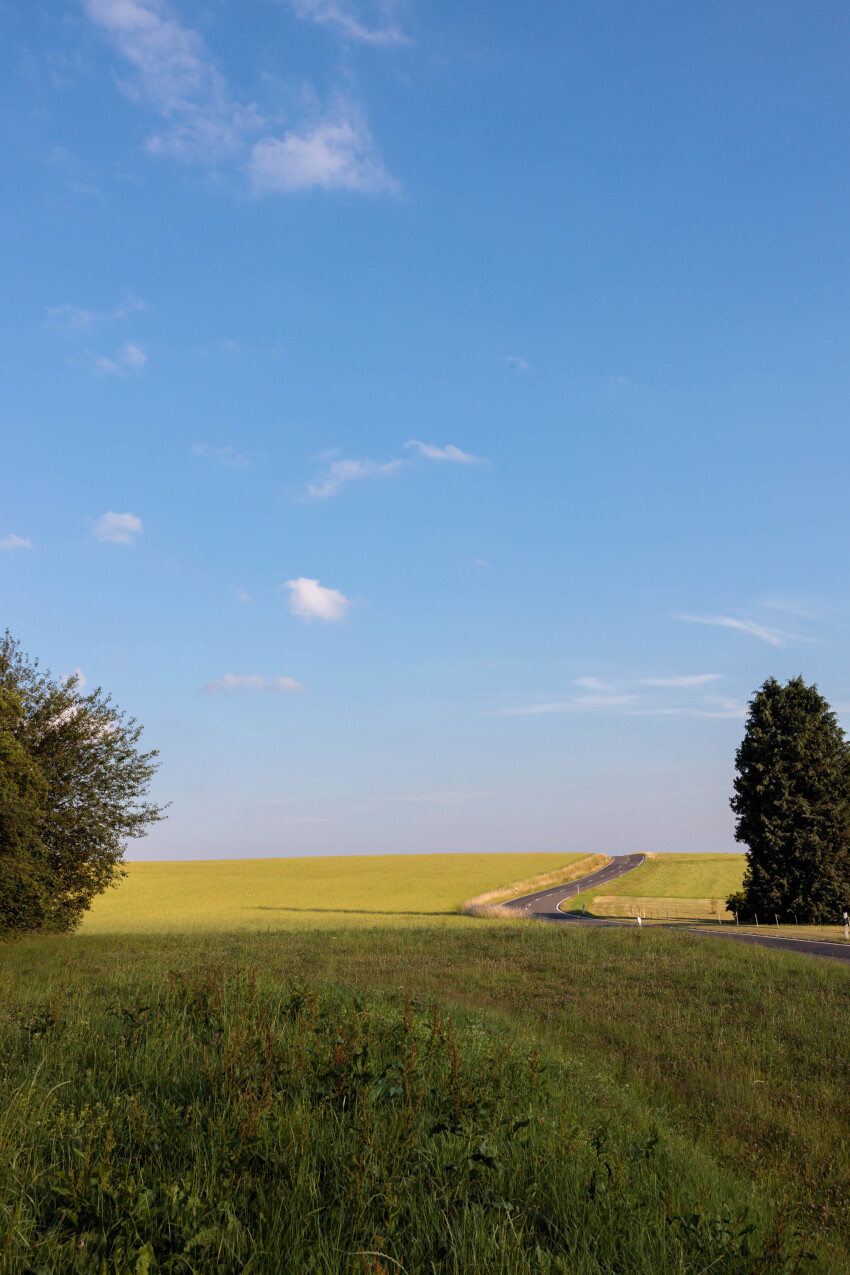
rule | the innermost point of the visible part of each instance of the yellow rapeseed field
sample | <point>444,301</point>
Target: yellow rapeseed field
<point>274,894</point>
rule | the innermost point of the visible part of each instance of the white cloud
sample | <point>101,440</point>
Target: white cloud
<point>133,355</point>
<point>725,707</point>
<point>225,456</point>
<point>774,636</point>
<point>241,594</point>
<point>516,364</point>
<point>78,676</point>
<point>331,13</point>
<point>449,452</point>
<point>692,679</point>
<point>129,358</point>
<point>310,600</point>
<point>78,319</point>
<point>176,75</point>
<point>341,472</point>
<point>71,316</point>
<point>335,153</point>
<point>252,682</point>
<point>117,528</point>
<point>15,542</point>
<point>594,684</point>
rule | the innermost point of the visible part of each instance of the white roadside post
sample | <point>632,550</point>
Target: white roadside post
<point>639,919</point>
<point>846,926</point>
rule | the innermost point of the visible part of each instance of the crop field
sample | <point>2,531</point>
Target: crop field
<point>273,894</point>
<point>692,883</point>
<point>672,889</point>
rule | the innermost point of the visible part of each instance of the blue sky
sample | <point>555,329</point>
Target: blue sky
<point>429,419</point>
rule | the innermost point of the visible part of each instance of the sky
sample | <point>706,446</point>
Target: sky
<point>428,419</point>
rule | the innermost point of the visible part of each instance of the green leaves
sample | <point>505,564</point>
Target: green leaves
<point>73,789</point>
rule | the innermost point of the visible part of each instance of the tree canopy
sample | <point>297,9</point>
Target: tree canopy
<point>792,801</point>
<point>73,789</point>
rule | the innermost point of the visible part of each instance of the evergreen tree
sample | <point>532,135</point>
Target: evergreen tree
<point>792,801</point>
<point>73,789</point>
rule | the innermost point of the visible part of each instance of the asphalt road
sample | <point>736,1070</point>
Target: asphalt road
<point>545,906</point>
<point>545,902</point>
<point>809,947</point>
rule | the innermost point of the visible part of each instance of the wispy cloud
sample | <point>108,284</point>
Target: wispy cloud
<point>341,472</point>
<point>516,364</point>
<point>78,319</point>
<point>174,74</point>
<point>576,703</point>
<point>343,18</point>
<point>225,456</point>
<point>688,679</point>
<point>725,707</point>
<point>449,452</point>
<point>310,600</point>
<point>78,677</point>
<point>119,529</point>
<point>775,637</point>
<point>635,698</point>
<point>15,542</point>
<point>131,357</point>
<point>252,682</point>
<point>70,316</point>
<point>241,594</point>
<point>333,153</point>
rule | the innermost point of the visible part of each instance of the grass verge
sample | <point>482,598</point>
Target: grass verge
<point>213,1121</point>
<point>736,1053</point>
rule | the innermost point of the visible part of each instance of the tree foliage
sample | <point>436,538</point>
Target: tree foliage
<point>73,790</point>
<point>792,801</point>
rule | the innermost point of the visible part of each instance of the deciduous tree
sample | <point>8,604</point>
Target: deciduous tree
<point>73,789</point>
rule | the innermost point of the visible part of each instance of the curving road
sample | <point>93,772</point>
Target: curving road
<point>546,903</point>
<point>545,906</point>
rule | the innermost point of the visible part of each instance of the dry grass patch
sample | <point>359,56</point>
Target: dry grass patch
<point>656,908</point>
<point>561,876</point>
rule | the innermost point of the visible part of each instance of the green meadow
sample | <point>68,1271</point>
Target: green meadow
<point>365,1090</point>
<point>691,885</point>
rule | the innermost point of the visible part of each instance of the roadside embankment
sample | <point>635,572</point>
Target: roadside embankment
<point>488,904</point>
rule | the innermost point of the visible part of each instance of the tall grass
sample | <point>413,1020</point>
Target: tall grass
<point>211,1121</point>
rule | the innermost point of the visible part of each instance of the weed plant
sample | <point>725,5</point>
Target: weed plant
<point>214,1122</point>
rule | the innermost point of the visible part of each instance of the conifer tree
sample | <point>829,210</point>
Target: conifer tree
<point>792,801</point>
